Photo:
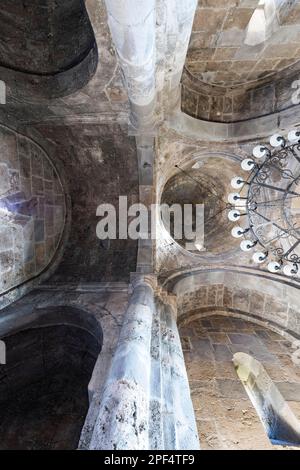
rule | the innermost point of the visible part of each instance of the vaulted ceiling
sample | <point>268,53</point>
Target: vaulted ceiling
<point>242,58</point>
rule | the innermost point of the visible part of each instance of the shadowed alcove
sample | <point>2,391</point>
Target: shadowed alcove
<point>44,384</point>
<point>47,46</point>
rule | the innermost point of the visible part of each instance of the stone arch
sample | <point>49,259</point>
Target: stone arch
<point>198,98</point>
<point>56,65</point>
<point>34,215</point>
<point>51,357</point>
<point>226,418</point>
<point>56,314</point>
<point>275,301</point>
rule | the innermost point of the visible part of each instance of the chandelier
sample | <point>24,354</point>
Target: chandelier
<point>266,204</point>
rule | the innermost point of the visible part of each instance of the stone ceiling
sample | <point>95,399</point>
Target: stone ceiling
<point>47,48</point>
<point>86,128</point>
<point>77,111</point>
<point>44,37</point>
<point>238,66</point>
<point>98,163</point>
<point>82,79</point>
<point>201,184</point>
<point>218,51</point>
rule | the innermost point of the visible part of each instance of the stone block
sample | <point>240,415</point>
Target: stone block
<point>8,148</point>
<point>28,253</point>
<point>293,321</point>
<point>284,51</point>
<point>208,434</point>
<point>241,299</point>
<point>4,179</point>
<point>230,37</point>
<point>276,311</point>
<point>25,165</point>
<point>244,339</point>
<point>227,297</point>
<point>48,170</point>
<point>202,349</point>
<point>37,185</point>
<point>225,370</point>
<point>25,187</point>
<point>257,302</point>
<point>238,18</point>
<point>228,105</point>
<point>6,260</point>
<point>263,100</point>
<point>202,40</point>
<point>203,105</point>
<point>289,390</point>
<point>40,255</point>
<point>186,343</point>
<point>36,161</point>
<point>225,53</point>
<point>14,180</point>
<point>221,353</point>
<point>216,108</point>
<point>219,338</point>
<point>200,55</point>
<point>208,20</point>
<point>190,102</point>
<point>6,238</point>
<point>39,230</point>
<point>228,388</point>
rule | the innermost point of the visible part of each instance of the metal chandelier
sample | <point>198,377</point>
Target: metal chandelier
<point>267,204</point>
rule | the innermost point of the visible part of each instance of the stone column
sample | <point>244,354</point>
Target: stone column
<point>123,418</point>
<point>178,418</point>
<point>180,14</point>
<point>132,26</point>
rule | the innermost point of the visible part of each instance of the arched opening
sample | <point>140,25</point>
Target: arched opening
<point>225,416</point>
<point>45,46</point>
<point>279,421</point>
<point>196,198</point>
<point>44,383</point>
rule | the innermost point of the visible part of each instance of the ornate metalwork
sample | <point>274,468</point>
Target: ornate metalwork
<point>273,203</point>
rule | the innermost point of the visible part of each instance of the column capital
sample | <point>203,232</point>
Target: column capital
<point>138,279</point>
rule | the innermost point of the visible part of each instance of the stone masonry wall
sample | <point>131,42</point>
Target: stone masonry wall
<point>32,210</point>
<point>219,104</point>
<point>226,418</point>
<point>264,307</point>
<point>227,79</point>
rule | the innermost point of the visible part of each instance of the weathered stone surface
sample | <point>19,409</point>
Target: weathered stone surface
<point>50,382</point>
<point>27,229</point>
<point>226,418</point>
<point>222,64</point>
<point>99,171</point>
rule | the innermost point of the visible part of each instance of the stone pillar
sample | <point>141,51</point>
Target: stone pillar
<point>132,26</point>
<point>123,418</point>
<point>180,16</point>
<point>178,418</point>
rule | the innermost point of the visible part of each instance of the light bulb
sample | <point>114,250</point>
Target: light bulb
<point>234,215</point>
<point>233,198</point>
<point>294,136</point>
<point>260,151</point>
<point>237,232</point>
<point>274,267</point>
<point>277,140</point>
<point>290,269</point>
<point>246,245</point>
<point>237,182</point>
<point>247,164</point>
<point>259,257</point>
